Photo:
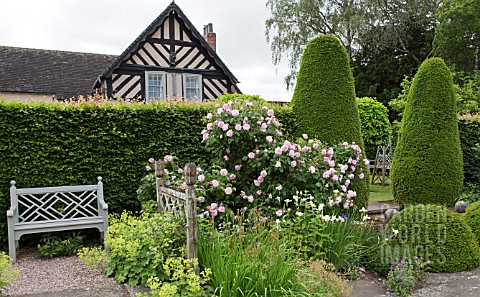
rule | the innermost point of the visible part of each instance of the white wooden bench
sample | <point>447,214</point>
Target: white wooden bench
<point>38,210</point>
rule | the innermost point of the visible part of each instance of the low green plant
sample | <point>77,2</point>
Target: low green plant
<point>247,258</point>
<point>55,245</point>
<point>96,258</point>
<point>8,275</point>
<point>139,246</point>
<point>470,193</point>
<point>183,280</point>
<point>333,238</point>
<point>319,277</point>
<point>405,275</point>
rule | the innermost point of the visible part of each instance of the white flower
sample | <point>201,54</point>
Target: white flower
<point>299,213</point>
<point>365,218</point>
<point>326,218</point>
<point>363,209</point>
<point>311,169</point>
<point>321,206</point>
<point>279,187</point>
<point>278,165</point>
<point>395,231</point>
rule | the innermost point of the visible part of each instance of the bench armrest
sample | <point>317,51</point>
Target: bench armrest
<point>104,205</point>
<point>11,211</point>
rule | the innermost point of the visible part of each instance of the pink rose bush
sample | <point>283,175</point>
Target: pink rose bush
<point>255,164</point>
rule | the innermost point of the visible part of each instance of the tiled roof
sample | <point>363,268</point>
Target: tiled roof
<point>66,74</point>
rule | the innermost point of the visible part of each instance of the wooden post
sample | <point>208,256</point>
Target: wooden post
<point>160,182</point>
<point>191,210</point>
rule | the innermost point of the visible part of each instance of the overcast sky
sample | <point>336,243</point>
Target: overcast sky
<point>109,26</point>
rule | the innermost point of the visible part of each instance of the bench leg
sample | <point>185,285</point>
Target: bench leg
<point>12,248</point>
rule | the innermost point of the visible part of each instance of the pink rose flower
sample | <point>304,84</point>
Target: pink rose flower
<point>209,126</point>
<point>305,136</point>
<point>201,178</point>
<point>168,158</point>
<point>263,173</point>
<point>269,139</point>
<point>279,213</point>
<point>205,136</point>
<point>293,164</point>
<point>151,160</point>
<point>201,199</point>
<point>229,133</point>
<point>278,151</point>
<point>148,168</point>
<point>221,209</point>
<point>183,186</point>
<point>251,155</point>
<point>246,127</point>
<point>228,191</point>
<point>232,176</point>
<point>361,176</point>
<point>238,127</point>
<point>238,167</point>
<point>235,112</point>
<point>215,183</point>
<point>223,172</point>
<point>270,112</point>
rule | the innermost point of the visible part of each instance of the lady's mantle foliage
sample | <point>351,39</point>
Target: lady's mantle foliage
<point>254,164</point>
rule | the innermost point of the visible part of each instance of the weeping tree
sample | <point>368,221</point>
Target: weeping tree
<point>427,164</point>
<point>324,103</point>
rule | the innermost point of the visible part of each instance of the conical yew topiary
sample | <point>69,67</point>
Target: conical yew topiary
<point>324,103</point>
<point>427,165</point>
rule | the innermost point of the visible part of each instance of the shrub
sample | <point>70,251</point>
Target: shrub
<point>427,164</point>
<point>405,275</point>
<point>437,235</point>
<point>96,258</point>
<point>472,217</point>
<point>8,275</point>
<point>139,246</point>
<point>323,101</point>
<point>374,123</point>
<point>470,193</point>
<point>244,141</point>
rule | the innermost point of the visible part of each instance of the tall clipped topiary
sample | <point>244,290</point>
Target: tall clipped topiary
<point>427,165</point>
<point>324,102</point>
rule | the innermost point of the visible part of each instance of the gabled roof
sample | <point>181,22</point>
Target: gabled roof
<point>151,28</point>
<point>66,74</point>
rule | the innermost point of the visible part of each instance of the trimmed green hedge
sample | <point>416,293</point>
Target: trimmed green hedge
<point>427,163</point>
<point>437,235</point>
<point>469,128</point>
<point>472,217</point>
<point>375,125</point>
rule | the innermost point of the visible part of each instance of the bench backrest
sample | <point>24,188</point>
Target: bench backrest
<point>56,203</point>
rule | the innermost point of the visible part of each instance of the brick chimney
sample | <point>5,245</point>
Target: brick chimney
<point>210,36</point>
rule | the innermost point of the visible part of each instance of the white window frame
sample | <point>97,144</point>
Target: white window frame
<point>163,84</point>
<point>200,86</point>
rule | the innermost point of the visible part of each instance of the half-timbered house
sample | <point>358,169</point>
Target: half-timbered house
<point>170,59</point>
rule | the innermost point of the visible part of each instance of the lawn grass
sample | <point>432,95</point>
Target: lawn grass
<point>380,193</point>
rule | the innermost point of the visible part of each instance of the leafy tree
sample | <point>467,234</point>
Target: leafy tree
<point>427,164</point>
<point>294,22</point>
<point>458,34</point>
<point>323,102</point>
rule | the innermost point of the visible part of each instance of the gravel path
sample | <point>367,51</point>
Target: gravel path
<point>46,275</point>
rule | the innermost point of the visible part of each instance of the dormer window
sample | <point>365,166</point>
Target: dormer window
<point>155,85</point>
<point>192,87</point>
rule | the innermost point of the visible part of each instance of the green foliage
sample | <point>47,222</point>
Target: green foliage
<point>405,275</point>
<point>472,217</point>
<point>183,280</point>
<point>252,98</point>
<point>470,193</point>
<point>324,102</point>
<point>374,125</point>
<point>96,258</point>
<point>59,145</point>
<point>139,246</point>
<point>315,235</point>
<point>8,275</point>
<point>469,128</point>
<point>52,245</point>
<point>427,164</point>
<point>457,37</point>
<point>437,235</point>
